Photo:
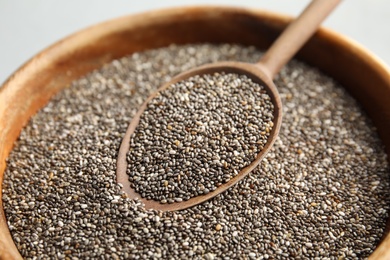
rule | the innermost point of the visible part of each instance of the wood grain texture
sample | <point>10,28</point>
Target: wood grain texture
<point>364,76</point>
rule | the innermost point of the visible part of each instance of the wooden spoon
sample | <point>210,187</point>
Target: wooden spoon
<point>283,49</point>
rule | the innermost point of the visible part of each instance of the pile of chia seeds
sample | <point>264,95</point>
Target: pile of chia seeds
<point>197,135</point>
<point>321,192</point>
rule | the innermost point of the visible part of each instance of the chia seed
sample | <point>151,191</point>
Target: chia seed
<point>197,135</point>
<point>321,192</point>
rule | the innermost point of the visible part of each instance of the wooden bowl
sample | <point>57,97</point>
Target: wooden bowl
<point>30,88</point>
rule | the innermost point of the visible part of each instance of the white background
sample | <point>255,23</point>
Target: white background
<point>28,26</point>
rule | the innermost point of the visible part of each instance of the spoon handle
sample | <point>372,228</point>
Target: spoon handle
<point>296,35</point>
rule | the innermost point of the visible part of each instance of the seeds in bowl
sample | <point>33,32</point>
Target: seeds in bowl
<point>197,135</point>
<point>322,191</point>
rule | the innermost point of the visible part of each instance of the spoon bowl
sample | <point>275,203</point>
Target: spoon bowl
<point>281,51</point>
<point>259,75</point>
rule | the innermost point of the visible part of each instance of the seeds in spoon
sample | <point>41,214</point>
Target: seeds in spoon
<point>198,134</point>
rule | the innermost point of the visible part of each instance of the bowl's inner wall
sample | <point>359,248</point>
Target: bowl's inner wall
<point>53,69</point>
